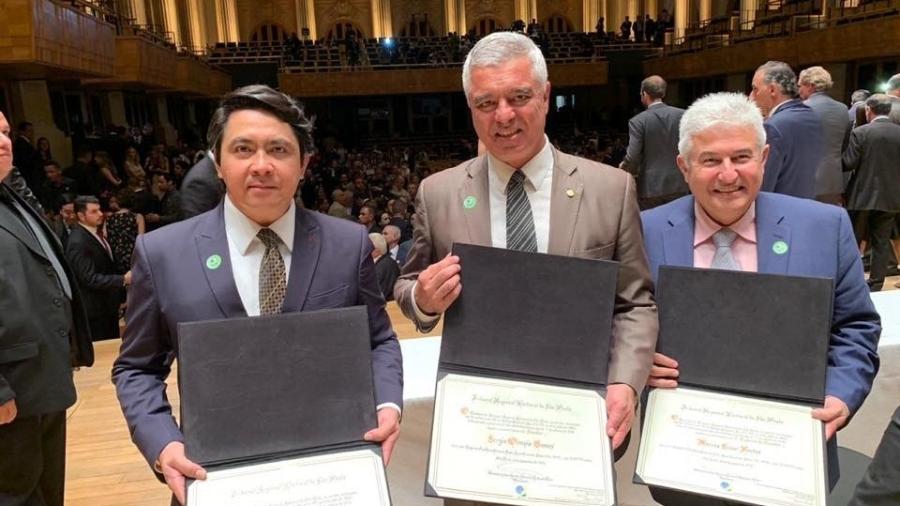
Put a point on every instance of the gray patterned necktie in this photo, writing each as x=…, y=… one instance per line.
x=724, y=259
x=520, y=234
x=272, y=279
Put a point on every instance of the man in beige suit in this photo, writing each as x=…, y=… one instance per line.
x=574, y=207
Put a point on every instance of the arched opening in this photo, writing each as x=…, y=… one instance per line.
x=486, y=26
x=418, y=26
x=557, y=24
x=269, y=32
x=342, y=30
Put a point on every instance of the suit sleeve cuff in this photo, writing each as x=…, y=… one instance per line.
x=389, y=405
x=424, y=318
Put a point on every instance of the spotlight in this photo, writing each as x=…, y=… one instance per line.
x=388, y=42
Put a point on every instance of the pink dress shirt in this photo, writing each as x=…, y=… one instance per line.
x=743, y=248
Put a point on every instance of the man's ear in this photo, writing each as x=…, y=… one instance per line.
x=682, y=166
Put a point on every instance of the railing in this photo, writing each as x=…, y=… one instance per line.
x=783, y=19
x=104, y=10
x=326, y=67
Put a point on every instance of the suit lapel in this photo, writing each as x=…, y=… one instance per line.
x=14, y=224
x=304, y=259
x=212, y=246
x=678, y=240
x=773, y=238
x=475, y=202
x=565, y=200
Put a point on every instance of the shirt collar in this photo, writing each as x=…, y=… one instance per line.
x=658, y=102
x=242, y=230
x=772, y=112
x=535, y=170
x=92, y=230
x=879, y=117
x=705, y=227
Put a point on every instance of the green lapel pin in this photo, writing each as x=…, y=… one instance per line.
x=470, y=202
x=780, y=247
x=213, y=262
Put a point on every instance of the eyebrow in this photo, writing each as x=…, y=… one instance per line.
x=275, y=141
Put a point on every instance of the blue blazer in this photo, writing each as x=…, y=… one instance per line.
x=820, y=243
x=796, y=147
x=331, y=267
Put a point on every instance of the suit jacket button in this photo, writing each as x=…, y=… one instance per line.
x=63, y=332
x=57, y=302
x=50, y=271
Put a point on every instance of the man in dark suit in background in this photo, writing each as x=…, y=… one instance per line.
x=653, y=146
x=793, y=132
x=201, y=189
x=386, y=269
x=92, y=261
x=256, y=253
x=43, y=333
x=873, y=154
x=814, y=83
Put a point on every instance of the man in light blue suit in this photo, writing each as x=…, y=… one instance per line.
x=722, y=156
x=256, y=253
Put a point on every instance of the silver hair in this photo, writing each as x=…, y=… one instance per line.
x=818, y=77
x=781, y=74
x=893, y=83
x=879, y=104
x=378, y=242
x=499, y=48
x=860, y=96
x=717, y=110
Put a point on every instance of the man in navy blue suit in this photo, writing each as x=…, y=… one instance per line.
x=722, y=156
x=256, y=253
x=793, y=132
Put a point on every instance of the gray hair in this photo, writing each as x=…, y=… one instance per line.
x=499, y=48
x=781, y=74
x=893, y=83
x=718, y=110
x=654, y=87
x=859, y=96
x=378, y=242
x=818, y=77
x=879, y=104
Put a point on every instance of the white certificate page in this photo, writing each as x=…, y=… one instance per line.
x=513, y=442
x=352, y=478
x=735, y=447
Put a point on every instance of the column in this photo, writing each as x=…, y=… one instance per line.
x=197, y=20
x=165, y=129
x=115, y=104
x=455, y=13
x=651, y=7
x=591, y=10
x=705, y=10
x=381, y=18
x=681, y=17
x=32, y=100
x=631, y=9
x=748, y=13
x=172, y=22
x=306, y=17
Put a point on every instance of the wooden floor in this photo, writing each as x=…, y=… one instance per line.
x=103, y=466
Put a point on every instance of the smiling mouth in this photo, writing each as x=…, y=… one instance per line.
x=507, y=135
x=734, y=189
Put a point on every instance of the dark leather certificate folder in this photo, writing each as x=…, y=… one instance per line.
x=272, y=387
x=531, y=315
x=738, y=332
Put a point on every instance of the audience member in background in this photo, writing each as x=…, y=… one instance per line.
x=392, y=236
x=55, y=185
x=341, y=204
x=201, y=190
x=134, y=172
x=43, y=149
x=872, y=155
x=64, y=219
x=814, y=82
x=109, y=181
x=168, y=202
x=386, y=269
x=793, y=132
x=367, y=215
x=91, y=258
x=653, y=146
x=82, y=169
x=123, y=226
x=857, y=102
x=27, y=159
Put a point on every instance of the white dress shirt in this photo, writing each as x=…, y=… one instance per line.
x=246, y=250
x=538, y=188
x=538, y=184
x=93, y=231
